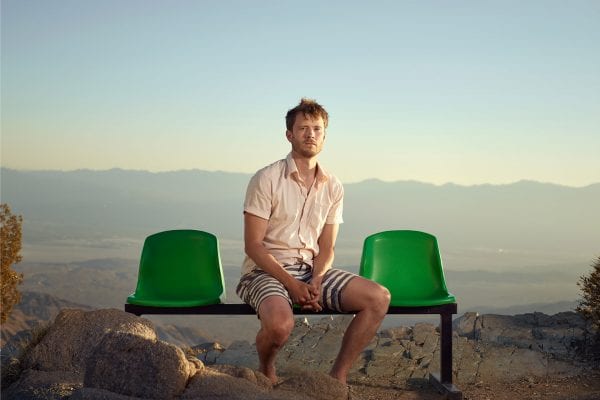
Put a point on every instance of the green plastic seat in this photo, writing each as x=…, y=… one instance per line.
x=179, y=268
x=408, y=264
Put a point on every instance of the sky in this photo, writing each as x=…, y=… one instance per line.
x=468, y=92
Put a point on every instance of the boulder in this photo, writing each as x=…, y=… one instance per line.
x=132, y=365
x=74, y=335
x=211, y=383
x=465, y=325
x=562, y=335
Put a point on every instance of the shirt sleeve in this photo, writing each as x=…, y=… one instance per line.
x=335, y=212
x=258, y=196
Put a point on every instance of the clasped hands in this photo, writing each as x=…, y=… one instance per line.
x=307, y=295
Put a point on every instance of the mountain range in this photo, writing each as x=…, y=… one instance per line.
x=525, y=216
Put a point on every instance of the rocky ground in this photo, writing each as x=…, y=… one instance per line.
x=574, y=388
x=111, y=355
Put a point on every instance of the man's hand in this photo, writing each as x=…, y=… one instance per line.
x=315, y=283
x=305, y=295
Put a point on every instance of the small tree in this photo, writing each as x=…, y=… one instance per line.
x=589, y=305
x=10, y=244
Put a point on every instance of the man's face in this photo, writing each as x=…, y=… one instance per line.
x=307, y=135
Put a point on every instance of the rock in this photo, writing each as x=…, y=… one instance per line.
x=466, y=360
x=465, y=325
x=562, y=335
x=206, y=352
x=505, y=330
x=313, y=385
x=430, y=342
x=75, y=334
x=248, y=374
x=386, y=360
x=10, y=369
x=240, y=353
x=401, y=332
x=99, y=394
x=33, y=385
x=213, y=384
x=132, y=365
x=108, y=354
x=422, y=331
x=195, y=365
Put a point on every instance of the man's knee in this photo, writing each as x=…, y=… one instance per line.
x=278, y=334
x=277, y=320
x=379, y=299
x=384, y=297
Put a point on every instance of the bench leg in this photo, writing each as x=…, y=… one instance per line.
x=444, y=385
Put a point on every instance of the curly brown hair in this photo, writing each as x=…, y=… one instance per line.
x=310, y=108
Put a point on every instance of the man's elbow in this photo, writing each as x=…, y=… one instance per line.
x=327, y=251
x=250, y=248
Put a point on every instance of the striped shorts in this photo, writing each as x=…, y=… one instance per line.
x=257, y=285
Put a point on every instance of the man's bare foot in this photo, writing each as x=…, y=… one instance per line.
x=341, y=378
x=269, y=372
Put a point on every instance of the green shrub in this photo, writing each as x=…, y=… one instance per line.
x=10, y=244
x=589, y=305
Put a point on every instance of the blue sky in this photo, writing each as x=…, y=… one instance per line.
x=467, y=91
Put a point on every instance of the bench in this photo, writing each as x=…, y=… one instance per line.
x=181, y=273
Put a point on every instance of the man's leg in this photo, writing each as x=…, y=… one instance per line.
x=277, y=322
x=370, y=302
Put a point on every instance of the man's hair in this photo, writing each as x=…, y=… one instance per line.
x=310, y=108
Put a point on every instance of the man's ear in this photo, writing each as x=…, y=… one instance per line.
x=288, y=135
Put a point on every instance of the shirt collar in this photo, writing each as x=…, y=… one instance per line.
x=292, y=170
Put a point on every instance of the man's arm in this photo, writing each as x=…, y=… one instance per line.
x=255, y=229
x=323, y=261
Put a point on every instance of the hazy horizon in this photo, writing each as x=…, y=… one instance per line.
x=517, y=181
x=111, y=212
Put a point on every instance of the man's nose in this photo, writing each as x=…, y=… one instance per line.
x=310, y=132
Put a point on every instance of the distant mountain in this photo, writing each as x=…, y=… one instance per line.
x=123, y=203
x=550, y=308
x=120, y=203
x=523, y=215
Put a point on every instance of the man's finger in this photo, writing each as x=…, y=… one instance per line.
x=312, y=305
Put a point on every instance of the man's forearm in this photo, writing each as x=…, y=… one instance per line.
x=265, y=261
x=323, y=261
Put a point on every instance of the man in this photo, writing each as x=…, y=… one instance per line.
x=292, y=211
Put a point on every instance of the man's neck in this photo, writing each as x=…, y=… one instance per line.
x=307, y=167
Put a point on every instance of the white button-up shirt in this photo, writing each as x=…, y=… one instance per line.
x=296, y=215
